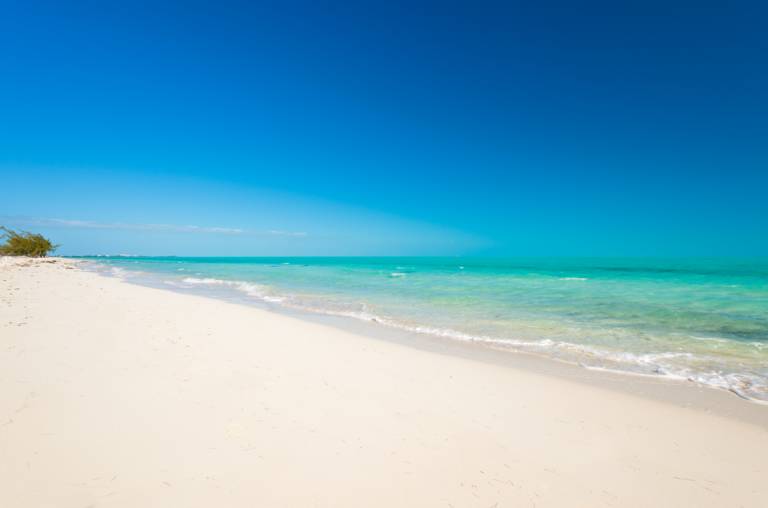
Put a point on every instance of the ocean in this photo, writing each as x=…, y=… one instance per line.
x=704, y=320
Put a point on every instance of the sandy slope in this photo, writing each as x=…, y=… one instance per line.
x=113, y=394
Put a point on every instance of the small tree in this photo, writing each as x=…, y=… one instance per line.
x=25, y=244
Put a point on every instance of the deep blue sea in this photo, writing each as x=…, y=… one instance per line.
x=705, y=320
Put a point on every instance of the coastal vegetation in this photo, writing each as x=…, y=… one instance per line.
x=23, y=243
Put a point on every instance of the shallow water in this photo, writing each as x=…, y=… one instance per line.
x=700, y=319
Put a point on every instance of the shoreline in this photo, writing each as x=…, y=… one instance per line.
x=117, y=394
x=679, y=392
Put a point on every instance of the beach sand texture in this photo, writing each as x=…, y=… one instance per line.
x=118, y=395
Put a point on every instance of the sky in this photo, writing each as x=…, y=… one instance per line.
x=387, y=128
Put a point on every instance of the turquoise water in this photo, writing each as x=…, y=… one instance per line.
x=705, y=320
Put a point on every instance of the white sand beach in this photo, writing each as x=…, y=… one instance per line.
x=118, y=395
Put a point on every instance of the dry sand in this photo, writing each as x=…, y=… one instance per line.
x=113, y=394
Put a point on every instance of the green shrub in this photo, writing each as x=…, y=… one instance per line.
x=25, y=244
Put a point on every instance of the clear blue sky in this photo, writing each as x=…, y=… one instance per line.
x=509, y=128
